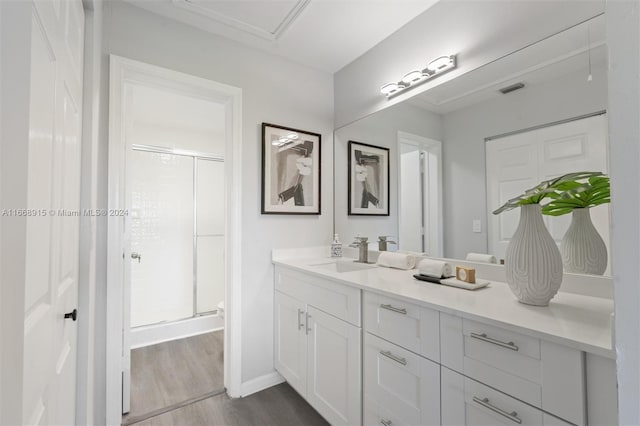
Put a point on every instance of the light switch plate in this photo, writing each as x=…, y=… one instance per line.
x=477, y=226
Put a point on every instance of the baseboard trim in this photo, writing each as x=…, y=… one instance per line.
x=260, y=383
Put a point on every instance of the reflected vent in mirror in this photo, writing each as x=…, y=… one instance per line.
x=511, y=88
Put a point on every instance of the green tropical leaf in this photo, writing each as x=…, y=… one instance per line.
x=566, y=192
x=585, y=191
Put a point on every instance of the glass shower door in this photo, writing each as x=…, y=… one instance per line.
x=162, y=229
x=209, y=235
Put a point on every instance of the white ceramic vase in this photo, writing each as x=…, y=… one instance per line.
x=533, y=262
x=583, y=249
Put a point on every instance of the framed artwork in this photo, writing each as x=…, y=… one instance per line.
x=290, y=170
x=368, y=180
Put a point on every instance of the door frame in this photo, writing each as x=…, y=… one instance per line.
x=123, y=70
x=433, y=216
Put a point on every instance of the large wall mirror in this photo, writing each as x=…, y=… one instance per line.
x=460, y=149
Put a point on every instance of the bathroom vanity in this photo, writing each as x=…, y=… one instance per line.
x=371, y=345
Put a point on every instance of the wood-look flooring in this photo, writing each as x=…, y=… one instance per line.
x=172, y=372
x=278, y=406
x=181, y=383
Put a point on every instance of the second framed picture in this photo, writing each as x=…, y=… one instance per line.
x=368, y=185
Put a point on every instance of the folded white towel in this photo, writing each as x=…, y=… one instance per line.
x=396, y=260
x=412, y=253
x=481, y=257
x=435, y=268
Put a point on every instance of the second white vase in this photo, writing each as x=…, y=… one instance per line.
x=583, y=249
x=532, y=261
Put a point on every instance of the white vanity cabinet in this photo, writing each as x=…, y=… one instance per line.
x=401, y=372
x=375, y=348
x=318, y=343
x=539, y=373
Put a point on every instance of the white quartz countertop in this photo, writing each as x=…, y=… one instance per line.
x=579, y=321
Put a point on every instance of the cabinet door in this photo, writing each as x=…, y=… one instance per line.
x=400, y=387
x=291, y=341
x=334, y=368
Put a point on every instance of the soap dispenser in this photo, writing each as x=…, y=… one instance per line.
x=336, y=247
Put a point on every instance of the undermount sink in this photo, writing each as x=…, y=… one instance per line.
x=343, y=266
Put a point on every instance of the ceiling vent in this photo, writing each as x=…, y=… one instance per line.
x=511, y=88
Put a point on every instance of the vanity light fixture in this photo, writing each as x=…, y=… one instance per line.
x=391, y=88
x=441, y=63
x=411, y=79
x=283, y=140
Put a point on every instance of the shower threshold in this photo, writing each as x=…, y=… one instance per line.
x=165, y=331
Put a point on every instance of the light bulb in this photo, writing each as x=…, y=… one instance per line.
x=389, y=88
x=439, y=63
x=412, y=77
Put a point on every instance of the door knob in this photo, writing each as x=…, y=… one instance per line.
x=135, y=255
x=73, y=315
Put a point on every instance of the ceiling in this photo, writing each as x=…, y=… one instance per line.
x=322, y=34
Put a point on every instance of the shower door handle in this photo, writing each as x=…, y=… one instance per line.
x=135, y=255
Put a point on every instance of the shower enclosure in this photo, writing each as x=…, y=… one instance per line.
x=177, y=243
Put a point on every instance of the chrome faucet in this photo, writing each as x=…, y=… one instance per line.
x=362, y=243
x=382, y=242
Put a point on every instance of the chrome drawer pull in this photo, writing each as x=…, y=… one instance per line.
x=384, y=422
x=392, y=308
x=300, y=323
x=485, y=338
x=397, y=359
x=513, y=416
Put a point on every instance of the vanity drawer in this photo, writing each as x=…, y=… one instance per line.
x=339, y=300
x=541, y=373
x=468, y=402
x=411, y=326
x=400, y=386
x=513, y=353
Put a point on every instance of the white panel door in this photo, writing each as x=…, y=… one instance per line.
x=518, y=162
x=291, y=341
x=512, y=168
x=333, y=368
x=53, y=188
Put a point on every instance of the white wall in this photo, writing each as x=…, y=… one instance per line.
x=274, y=90
x=380, y=129
x=623, y=38
x=477, y=31
x=464, y=147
